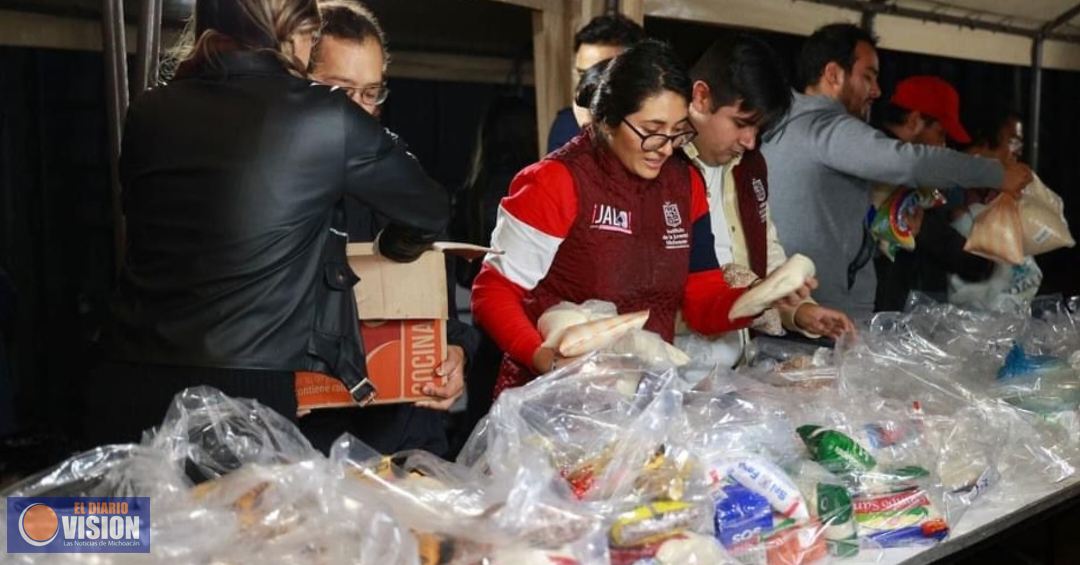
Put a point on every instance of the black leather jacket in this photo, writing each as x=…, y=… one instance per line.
x=232, y=179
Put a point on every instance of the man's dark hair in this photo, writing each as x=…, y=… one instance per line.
x=617, y=30
x=984, y=124
x=745, y=69
x=646, y=69
x=351, y=21
x=834, y=43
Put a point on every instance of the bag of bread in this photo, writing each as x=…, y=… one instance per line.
x=998, y=233
x=1043, y=214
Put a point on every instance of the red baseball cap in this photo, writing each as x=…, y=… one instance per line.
x=933, y=97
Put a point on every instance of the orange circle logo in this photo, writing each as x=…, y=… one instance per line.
x=38, y=524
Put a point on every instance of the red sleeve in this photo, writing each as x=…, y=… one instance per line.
x=532, y=222
x=707, y=298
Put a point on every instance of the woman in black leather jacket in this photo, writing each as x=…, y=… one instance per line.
x=233, y=175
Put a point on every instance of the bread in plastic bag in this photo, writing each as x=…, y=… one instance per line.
x=785, y=280
x=1043, y=214
x=577, y=329
x=998, y=232
x=738, y=276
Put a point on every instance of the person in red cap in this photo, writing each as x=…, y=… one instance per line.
x=932, y=111
x=925, y=110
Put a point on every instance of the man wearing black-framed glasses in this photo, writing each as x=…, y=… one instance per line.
x=351, y=55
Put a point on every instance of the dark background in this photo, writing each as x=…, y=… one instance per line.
x=55, y=212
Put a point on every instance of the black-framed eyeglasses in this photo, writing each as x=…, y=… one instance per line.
x=373, y=95
x=656, y=141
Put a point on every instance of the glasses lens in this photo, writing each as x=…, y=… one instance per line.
x=654, y=142
x=683, y=139
x=376, y=95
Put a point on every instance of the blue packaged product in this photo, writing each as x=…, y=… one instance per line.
x=743, y=517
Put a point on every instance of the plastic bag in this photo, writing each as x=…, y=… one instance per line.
x=1043, y=214
x=269, y=497
x=889, y=222
x=212, y=434
x=578, y=329
x=998, y=232
x=460, y=516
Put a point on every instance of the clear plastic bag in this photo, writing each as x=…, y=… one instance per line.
x=1043, y=214
x=212, y=434
x=998, y=232
x=612, y=427
x=269, y=498
x=463, y=517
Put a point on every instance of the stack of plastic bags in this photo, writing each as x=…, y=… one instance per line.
x=265, y=495
x=807, y=456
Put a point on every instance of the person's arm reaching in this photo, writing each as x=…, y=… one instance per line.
x=532, y=223
x=381, y=173
x=707, y=298
x=853, y=147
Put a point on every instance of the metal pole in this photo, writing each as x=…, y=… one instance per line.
x=1035, y=117
x=149, y=47
x=114, y=50
x=868, y=21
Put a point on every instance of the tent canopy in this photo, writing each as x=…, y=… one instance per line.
x=950, y=28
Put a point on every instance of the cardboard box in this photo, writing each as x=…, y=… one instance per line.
x=403, y=311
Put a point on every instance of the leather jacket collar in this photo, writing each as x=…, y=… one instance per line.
x=243, y=63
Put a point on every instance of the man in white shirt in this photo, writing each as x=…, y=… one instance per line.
x=739, y=89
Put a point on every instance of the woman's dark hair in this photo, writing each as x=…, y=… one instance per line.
x=617, y=30
x=590, y=79
x=245, y=25
x=834, y=43
x=646, y=69
x=745, y=69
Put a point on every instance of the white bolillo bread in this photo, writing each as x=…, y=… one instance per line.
x=791, y=276
x=590, y=336
x=554, y=323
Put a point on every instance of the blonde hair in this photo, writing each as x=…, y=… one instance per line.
x=219, y=26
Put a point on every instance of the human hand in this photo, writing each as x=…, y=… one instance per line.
x=816, y=319
x=453, y=372
x=799, y=296
x=1017, y=176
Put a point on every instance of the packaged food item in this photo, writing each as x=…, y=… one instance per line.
x=788, y=278
x=797, y=545
x=654, y=522
x=998, y=232
x=889, y=222
x=835, y=451
x=1043, y=214
x=769, y=481
x=835, y=510
x=743, y=520
x=899, y=519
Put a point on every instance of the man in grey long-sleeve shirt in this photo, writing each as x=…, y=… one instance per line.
x=824, y=159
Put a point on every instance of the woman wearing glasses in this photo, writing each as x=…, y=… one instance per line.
x=612, y=215
x=232, y=175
